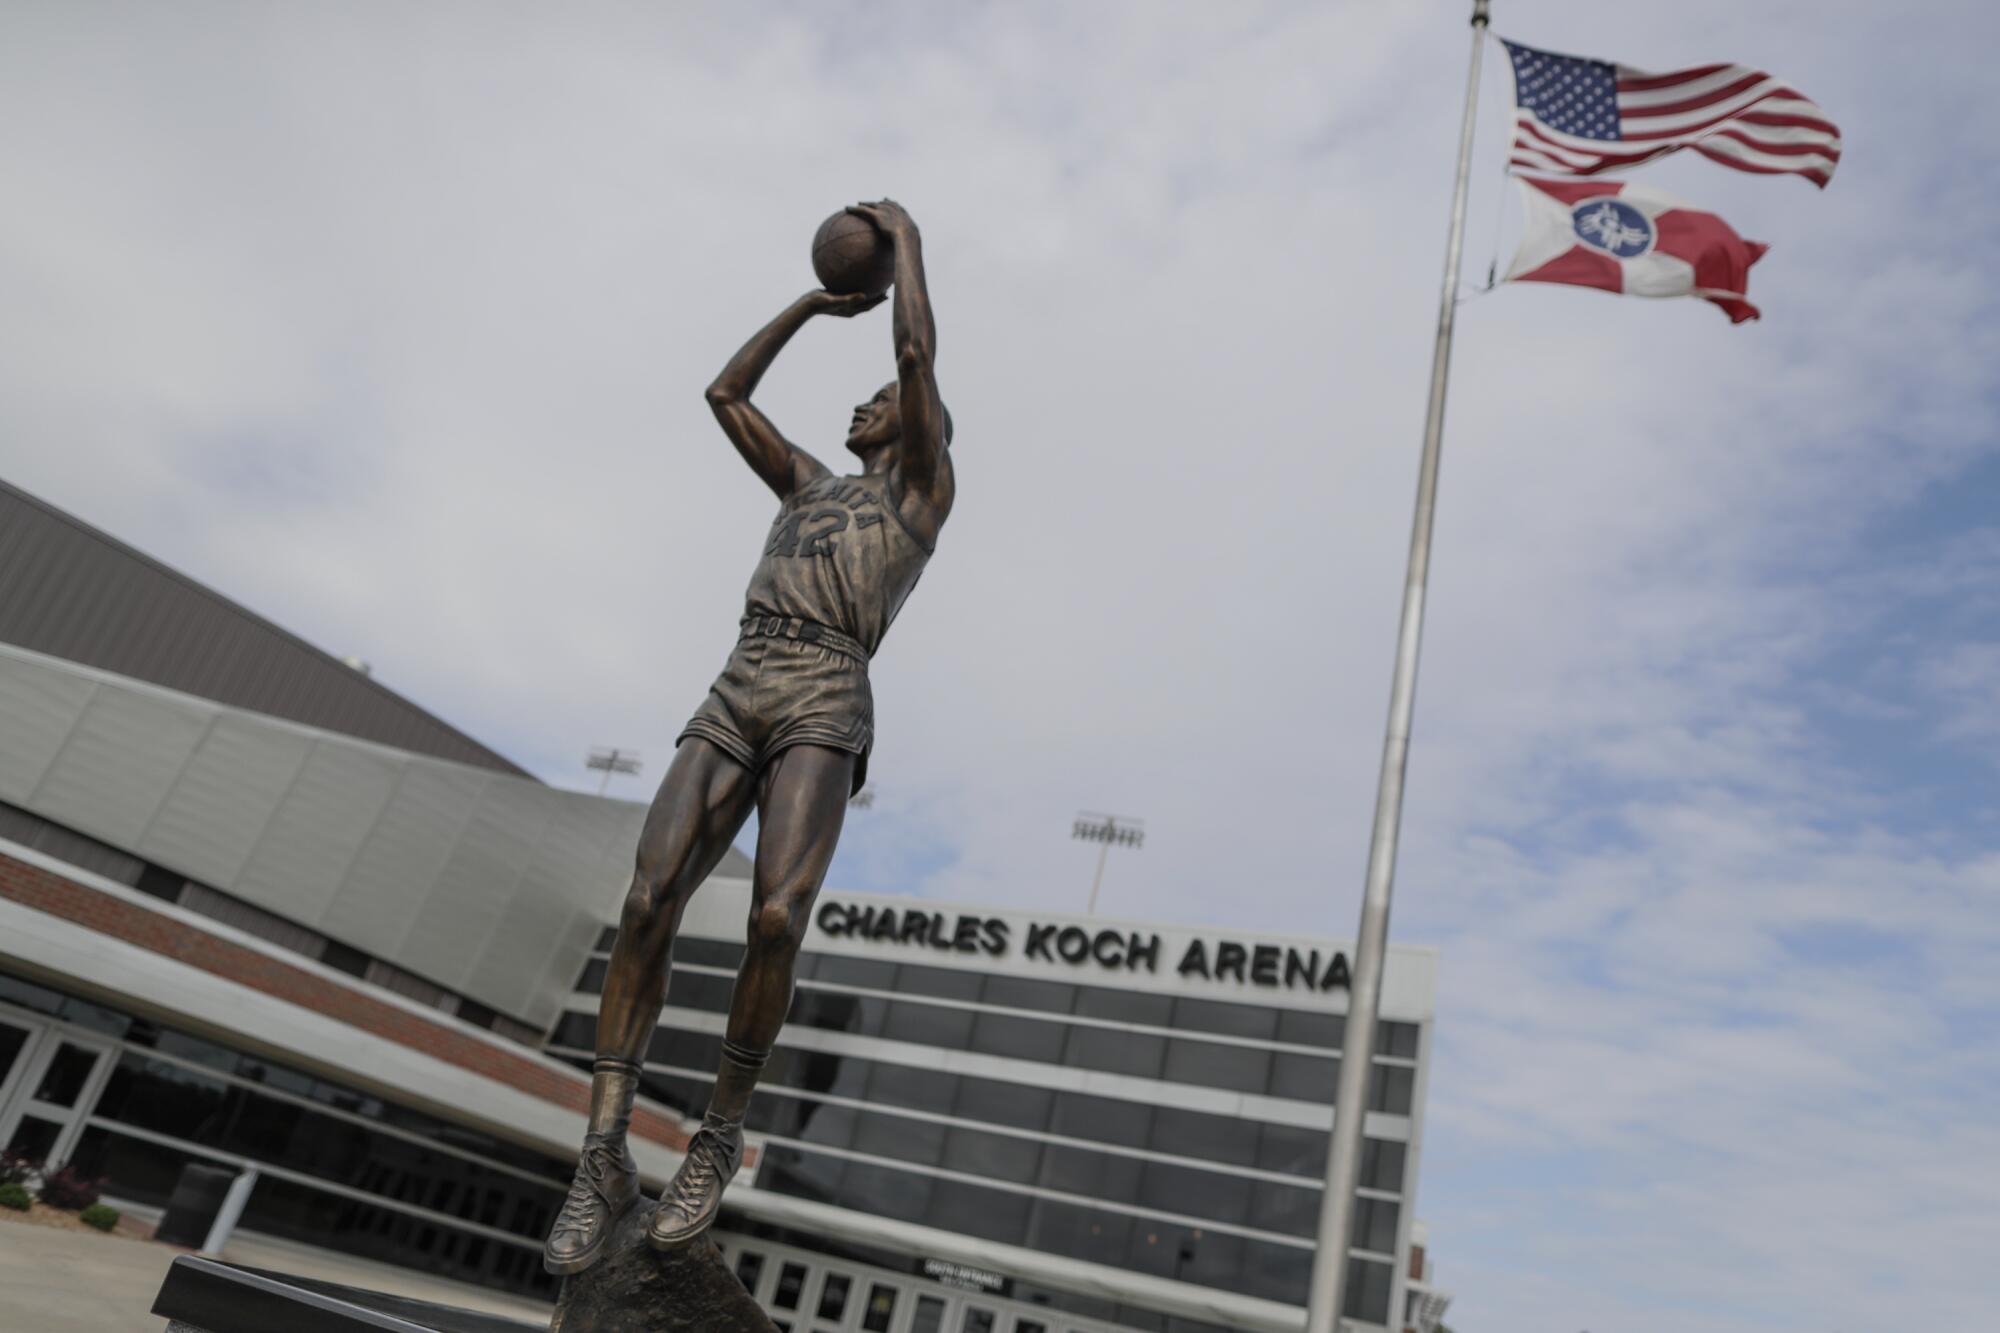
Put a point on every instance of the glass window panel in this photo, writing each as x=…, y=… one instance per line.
x=1000, y=1103
x=979, y=1152
x=972, y=1210
x=885, y=1191
x=1030, y=1326
x=1374, y=1225
x=881, y=1309
x=949, y=982
x=907, y=1140
x=1094, y=1175
x=1018, y=1038
x=818, y=1071
x=930, y=1024
x=708, y=953
x=836, y=1011
x=977, y=1320
x=1154, y=1248
x=786, y=1170
x=95, y=1017
x=1391, y=1088
x=791, y=1278
x=1103, y=1119
x=1213, y=1259
x=833, y=1297
x=1397, y=1039
x=1211, y=1064
x=169, y=1042
x=13, y=1040
x=868, y=972
x=30, y=996
x=749, y=1267
x=904, y=1085
x=1291, y=1210
x=1368, y=1291
x=1089, y=1234
x=1295, y=1151
x=1116, y=1052
x=1125, y=1006
x=929, y=1317
x=592, y=980
x=1198, y=1134
x=62, y=1081
x=34, y=1138
x=577, y=1031
x=1182, y=1189
x=1229, y=1020
x=1382, y=1164
x=606, y=938
x=1304, y=1078
x=1277, y=1272
x=686, y=1095
x=1053, y=997
x=1305, y=1029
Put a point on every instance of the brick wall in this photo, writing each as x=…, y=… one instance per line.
x=45, y=891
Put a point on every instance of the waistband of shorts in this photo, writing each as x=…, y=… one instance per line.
x=803, y=631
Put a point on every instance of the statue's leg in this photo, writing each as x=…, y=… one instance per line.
x=701, y=804
x=800, y=809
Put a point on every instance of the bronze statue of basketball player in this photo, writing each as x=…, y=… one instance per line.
x=786, y=728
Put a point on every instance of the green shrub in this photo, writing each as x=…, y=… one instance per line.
x=14, y=1195
x=100, y=1215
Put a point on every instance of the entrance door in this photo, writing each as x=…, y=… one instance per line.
x=48, y=1079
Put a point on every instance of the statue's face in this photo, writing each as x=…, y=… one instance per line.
x=877, y=422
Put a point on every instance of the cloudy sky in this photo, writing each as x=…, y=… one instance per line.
x=392, y=321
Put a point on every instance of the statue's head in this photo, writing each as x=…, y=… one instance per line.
x=878, y=423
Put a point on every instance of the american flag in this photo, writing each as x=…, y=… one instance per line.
x=1577, y=117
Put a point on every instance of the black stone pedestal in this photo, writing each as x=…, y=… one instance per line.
x=205, y=1296
x=637, y=1289
x=632, y=1289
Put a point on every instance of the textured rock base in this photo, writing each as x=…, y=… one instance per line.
x=635, y=1288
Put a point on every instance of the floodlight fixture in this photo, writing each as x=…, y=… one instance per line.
x=609, y=760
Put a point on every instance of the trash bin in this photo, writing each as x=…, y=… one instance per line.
x=197, y=1198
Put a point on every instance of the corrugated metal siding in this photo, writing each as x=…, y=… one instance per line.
x=71, y=591
x=475, y=881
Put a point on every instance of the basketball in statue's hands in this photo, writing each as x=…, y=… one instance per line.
x=850, y=254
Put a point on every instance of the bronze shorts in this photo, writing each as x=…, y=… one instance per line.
x=776, y=692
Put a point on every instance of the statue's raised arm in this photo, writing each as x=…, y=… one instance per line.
x=922, y=470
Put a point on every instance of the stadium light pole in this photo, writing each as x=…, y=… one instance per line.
x=1106, y=830
x=609, y=760
x=1326, y=1293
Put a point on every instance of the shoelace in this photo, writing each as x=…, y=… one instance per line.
x=586, y=1193
x=704, y=1170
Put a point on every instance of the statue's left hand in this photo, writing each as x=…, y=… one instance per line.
x=890, y=216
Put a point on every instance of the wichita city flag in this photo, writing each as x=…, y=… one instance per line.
x=1577, y=117
x=1632, y=239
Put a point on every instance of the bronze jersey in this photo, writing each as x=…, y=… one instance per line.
x=839, y=555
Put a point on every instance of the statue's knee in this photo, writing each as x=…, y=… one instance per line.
x=646, y=902
x=777, y=924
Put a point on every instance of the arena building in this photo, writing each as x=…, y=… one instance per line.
x=257, y=910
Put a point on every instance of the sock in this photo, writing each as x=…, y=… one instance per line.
x=735, y=1080
x=613, y=1083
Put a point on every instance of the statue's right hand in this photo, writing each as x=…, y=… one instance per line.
x=845, y=306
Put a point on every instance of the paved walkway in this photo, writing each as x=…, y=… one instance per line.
x=70, y=1282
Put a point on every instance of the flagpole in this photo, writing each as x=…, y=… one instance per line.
x=1327, y=1292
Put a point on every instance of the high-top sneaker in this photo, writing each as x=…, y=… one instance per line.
x=605, y=1187
x=690, y=1204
